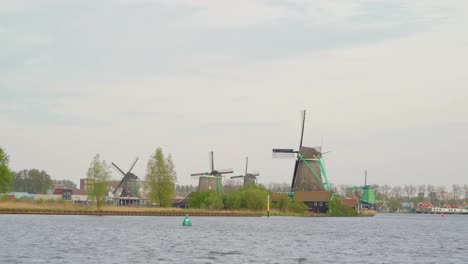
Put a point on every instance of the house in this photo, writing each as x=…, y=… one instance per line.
x=65, y=192
x=407, y=205
x=316, y=200
x=422, y=205
x=181, y=202
x=20, y=195
x=352, y=202
x=381, y=207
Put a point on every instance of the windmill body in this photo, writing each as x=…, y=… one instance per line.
x=211, y=180
x=368, y=194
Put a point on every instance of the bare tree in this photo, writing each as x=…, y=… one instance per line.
x=412, y=190
x=409, y=190
x=421, y=191
x=385, y=190
x=431, y=188
x=465, y=188
x=397, y=191
x=442, y=192
x=457, y=190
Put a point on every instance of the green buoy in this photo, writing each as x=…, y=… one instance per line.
x=187, y=221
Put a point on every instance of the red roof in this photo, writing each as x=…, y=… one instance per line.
x=424, y=205
x=349, y=202
x=312, y=196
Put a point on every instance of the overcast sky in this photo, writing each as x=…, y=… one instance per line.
x=384, y=83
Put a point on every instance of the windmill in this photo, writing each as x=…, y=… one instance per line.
x=211, y=180
x=309, y=170
x=368, y=193
x=129, y=185
x=249, y=178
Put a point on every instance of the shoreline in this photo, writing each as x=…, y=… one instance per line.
x=128, y=213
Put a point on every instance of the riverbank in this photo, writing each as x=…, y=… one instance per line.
x=68, y=208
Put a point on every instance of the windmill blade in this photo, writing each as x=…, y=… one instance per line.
x=211, y=159
x=116, y=167
x=118, y=186
x=133, y=165
x=239, y=176
x=284, y=153
x=255, y=174
x=246, y=164
x=199, y=174
x=303, y=115
x=295, y=171
x=225, y=171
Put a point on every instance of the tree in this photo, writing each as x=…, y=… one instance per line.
x=457, y=190
x=38, y=182
x=160, y=179
x=6, y=176
x=409, y=190
x=396, y=191
x=20, y=181
x=465, y=189
x=442, y=192
x=97, y=181
x=32, y=181
x=421, y=191
x=394, y=204
x=385, y=190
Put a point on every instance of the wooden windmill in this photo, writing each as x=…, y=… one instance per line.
x=129, y=186
x=211, y=180
x=309, y=172
x=249, y=178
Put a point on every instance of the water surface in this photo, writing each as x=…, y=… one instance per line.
x=387, y=238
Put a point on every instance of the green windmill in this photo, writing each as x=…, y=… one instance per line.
x=368, y=194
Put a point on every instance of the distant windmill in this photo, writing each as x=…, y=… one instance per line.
x=249, y=178
x=211, y=180
x=309, y=171
x=129, y=183
x=368, y=193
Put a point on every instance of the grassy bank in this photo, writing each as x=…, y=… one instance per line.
x=61, y=207
x=66, y=207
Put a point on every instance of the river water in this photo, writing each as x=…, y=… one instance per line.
x=389, y=238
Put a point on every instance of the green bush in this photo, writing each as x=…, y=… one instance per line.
x=233, y=200
x=206, y=200
x=255, y=197
x=297, y=207
x=40, y=201
x=282, y=204
x=337, y=208
x=251, y=198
